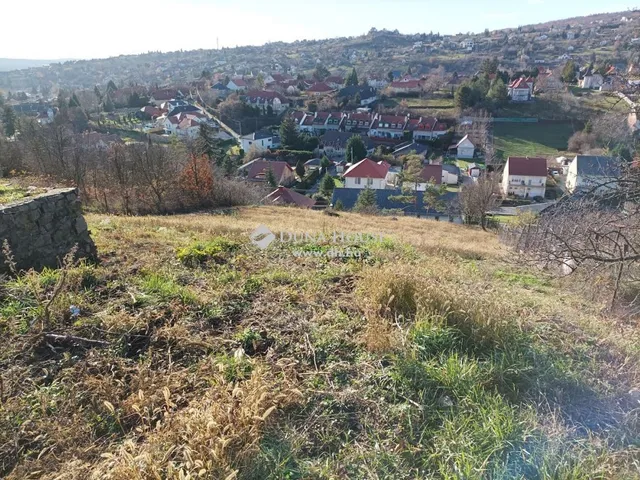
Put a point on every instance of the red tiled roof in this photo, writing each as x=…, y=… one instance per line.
x=367, y=168
x=520, y=83
x=259, y=169
x=430, y=172
x=319, y=88
x=360, y=117
x=530, y=166
x=334, y=79
x=239, y=82
x=391, y=119
x=406, y=84
x=283, y=195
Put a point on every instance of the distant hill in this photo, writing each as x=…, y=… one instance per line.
x=8, y=64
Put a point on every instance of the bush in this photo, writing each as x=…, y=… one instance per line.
x=199, y=253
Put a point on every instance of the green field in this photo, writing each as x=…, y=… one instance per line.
x=531, y=139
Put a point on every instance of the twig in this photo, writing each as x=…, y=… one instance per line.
x=56, y=338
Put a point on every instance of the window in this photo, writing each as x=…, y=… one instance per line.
x=358, y=180
x=369, y=181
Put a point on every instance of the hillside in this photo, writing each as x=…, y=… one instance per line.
x=375, y=53
x=8, y=64
x=432, y=355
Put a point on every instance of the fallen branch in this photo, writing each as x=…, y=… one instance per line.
x=55, y=338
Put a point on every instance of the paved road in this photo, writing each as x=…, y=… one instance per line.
x=535, y=207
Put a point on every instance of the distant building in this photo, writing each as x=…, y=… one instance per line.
x=591, y=171
x=525, y=177
x=286, y=196
x=367, y=174
x=261, y=141
x=465, y=148
x=257, y=171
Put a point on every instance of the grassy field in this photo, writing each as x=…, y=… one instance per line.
x=13, y=193
x=531, y=139
x=429, y=355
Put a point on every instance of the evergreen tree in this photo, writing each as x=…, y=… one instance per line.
x=108, y=104
x=352, y=79
x=390, y=76
x=464, y=97
x=321, y=72
x=339, y=206
x=111, y=87
x=327, y=185
x=569, y=72
x=9, y=121
x=356, y=149
x=498, y=93
x=300, y=171
x=366, y=202
x=98, y=94
x=271, y=179
x=73, y=101
x=289, y=134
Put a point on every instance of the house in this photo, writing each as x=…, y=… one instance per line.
x=286, y=196
x=265, y=99
x=46, y=117
x=173, y=109
x=450, y=174
x=257, y=170
x=313, y=164
x=159, y=97
x=426, y=128
x=188, y=128
x=220, y=90
x=465, y=148
x=473, y=170
x=588, y=171
x=525, y=177
x=377, y=82
x=237, y=85
x=366, y=174
x=406, y=86
x=150, y=112
x=261, y=141
x=571, y=35
x=520, y=89
x=334, y=81
x=592, y=80
x=467, y=45
x=367, y=95
x=96, y=141
x=333, y=144
x=429, y=174
x=356, y=121
x=388, y=126
x=319, y=89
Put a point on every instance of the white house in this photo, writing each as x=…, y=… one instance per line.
x=260, y=141
x=465, y=148
x=525, y=177
x=467, y=45
x=520, y=90
x=366, y=173
x=264, y=99
x=592, y=81
x=388, y=126
x=589, y=171
x=237, y=84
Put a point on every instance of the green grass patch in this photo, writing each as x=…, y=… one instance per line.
x=217, y=250
x=531, y=139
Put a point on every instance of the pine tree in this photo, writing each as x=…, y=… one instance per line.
x=271, y=178
x=327, y=185
x=569, y=72
x=289, y=134
x=339, y=206
x=10, y=121
x=300, y=171
x=111, y=87
x=73, y=101
x=498, y=93
x=356, y=149
x=352, y=79
x=366, y=202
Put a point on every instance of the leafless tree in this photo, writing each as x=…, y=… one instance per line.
x=596, y=232
x=479, y=198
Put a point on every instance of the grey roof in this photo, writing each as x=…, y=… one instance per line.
x=220, y=86
x=337, y=139
x=596, y=166
x=349, y=196
x=262, y=134
x=405, y=148
x=451, y=168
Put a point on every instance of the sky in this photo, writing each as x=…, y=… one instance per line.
x=64, y=29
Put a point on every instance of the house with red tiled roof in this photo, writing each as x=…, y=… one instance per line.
x=257, y=171
x=429, y=174
x=286, y=196
x=388, y=126
x=367, y=174
x=319, y=88
x=426, y=128
x=406, y=86
x=264, y=99
x=520, y=89
x=358, y=121
x=525, y=177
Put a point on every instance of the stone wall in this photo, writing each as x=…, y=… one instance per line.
x=41, y=230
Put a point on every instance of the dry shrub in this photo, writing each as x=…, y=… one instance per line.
x=213, y=438
x=380, y=336
x=388, y=293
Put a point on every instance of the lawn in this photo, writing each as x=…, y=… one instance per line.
x=531, y=139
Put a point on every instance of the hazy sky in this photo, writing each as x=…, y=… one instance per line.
x=46, y=29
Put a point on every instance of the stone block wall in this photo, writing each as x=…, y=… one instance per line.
x=41, y=230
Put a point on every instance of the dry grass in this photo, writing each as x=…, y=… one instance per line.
x=429, y=357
